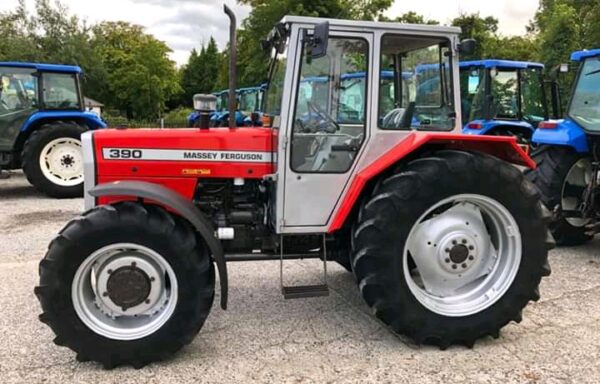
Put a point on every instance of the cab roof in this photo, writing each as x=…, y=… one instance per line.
x=495, y=63
x=372, y=25
x=582, y=55
x=43, y=67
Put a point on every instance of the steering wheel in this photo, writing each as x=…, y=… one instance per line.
x=331, y=126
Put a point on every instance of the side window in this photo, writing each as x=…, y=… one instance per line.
x=472, y=87
x=532, y=96
x=505, y=94
x=18, y=90
x=329, y=115
x=60, y=91
x=415, y=90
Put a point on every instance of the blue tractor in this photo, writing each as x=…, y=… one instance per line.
x=502, y=97
x=251, y=104
x=245, y=98
x=568, y=158
x=42, y=116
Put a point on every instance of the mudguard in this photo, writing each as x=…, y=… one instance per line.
x=179, y=204
x=566, y=133
x=92, y=120
x=502, y=147
x=487, y=126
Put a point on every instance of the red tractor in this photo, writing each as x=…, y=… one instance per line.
x=448, y=241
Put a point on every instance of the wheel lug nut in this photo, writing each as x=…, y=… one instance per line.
x=133, y=264
x=110, y=271
x=105, y=294
x=454, y=242
x=464, y=265
x=454, y=266
x=471, y=247
x=152, y=278
x=447, y=260
x=447, y=250
x=148, y=301
x=464, y=241
x=471, y=257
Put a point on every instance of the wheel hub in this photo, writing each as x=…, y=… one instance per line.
x=128, y=287
x=460, y=252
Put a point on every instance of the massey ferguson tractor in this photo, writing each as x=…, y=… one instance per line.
x=447, y=240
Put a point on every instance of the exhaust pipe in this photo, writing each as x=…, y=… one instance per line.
x=232, y=65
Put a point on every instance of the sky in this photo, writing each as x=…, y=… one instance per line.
x=185, y=24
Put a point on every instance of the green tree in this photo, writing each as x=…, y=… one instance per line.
x=483, y=30
x=411, y=17
x=141, y=78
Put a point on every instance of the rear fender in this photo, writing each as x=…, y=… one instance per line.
x=566, y=133
x=503, y=147
x=177, y=203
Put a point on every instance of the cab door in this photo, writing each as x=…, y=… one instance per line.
x=18, y=101
x=326, y=129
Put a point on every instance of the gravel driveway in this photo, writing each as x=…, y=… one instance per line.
x=262, y=338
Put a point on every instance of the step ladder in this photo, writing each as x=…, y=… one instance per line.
x=304, y=291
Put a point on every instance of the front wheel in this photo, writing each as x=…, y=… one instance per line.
x=451, y=248
x=53, y=159
x=126, y=284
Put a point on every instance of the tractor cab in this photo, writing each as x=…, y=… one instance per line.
x=42, y=115
x=250, y=104
x=502, y=97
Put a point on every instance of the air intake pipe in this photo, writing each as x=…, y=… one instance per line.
x=232, y=66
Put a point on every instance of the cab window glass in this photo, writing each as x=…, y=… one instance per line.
x=504, y=93
x=329, y=114
x=532, y=96
x=18, y=90
x=418, y=93
x=60, y=91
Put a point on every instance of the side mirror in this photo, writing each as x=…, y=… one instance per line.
x=467, y=46
x=316, y=46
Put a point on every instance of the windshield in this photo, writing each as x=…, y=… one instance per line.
x=472, y=93
x=585, y=103
x=60, y=91
x=249, y=101
x=274, y=93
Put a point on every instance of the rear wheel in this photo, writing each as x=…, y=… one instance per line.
x=451, y=248
x=561, y=177
x=53, y=159
x=128, y=284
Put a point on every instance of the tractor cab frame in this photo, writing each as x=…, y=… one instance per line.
x=503, y=97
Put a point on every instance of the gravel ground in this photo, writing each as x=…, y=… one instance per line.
x=262, y=338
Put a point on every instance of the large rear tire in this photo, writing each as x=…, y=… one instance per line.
x=126, y=284
x=53, y=159
x=451, y=248
x=555, y=167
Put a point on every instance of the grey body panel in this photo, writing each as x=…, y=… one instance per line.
x=179, y=204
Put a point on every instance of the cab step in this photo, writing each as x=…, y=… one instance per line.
x=304, y=291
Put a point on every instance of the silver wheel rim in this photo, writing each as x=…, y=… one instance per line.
x=61, y=161
x=97, y=309
x=467, y=252
x=578, y=178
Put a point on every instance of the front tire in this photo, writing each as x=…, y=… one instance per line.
x=555, y=167
x=53, y=159
x=126, y=284
x=451, y=248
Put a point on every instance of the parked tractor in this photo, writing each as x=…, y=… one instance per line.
x=447, y=240
x=567, y=158
x=42, y=117
x=503, y=97
x=247, y=99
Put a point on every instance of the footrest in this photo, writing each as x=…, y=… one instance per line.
x=304, y=291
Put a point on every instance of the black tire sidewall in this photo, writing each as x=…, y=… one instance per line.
x=31, y=158
x=191, y=268
x=490, y=178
